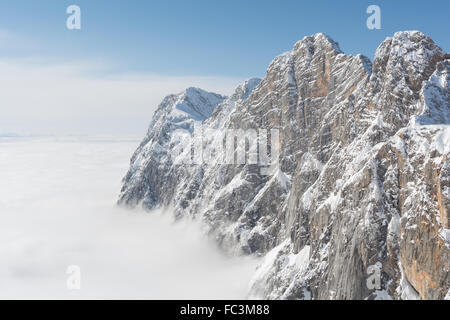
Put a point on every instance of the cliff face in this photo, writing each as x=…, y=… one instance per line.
x=362, y=178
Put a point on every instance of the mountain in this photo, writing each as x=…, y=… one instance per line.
x=361, y=184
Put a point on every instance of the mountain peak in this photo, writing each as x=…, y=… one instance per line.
x=410, y=53
x=319, y=40
x=408, y=33
x=193, y=91
x=411, y=45
x=244, y=90
x=306, y=48
x=347, y=146
x=196, y=103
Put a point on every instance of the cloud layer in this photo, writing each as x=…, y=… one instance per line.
x=57, y=209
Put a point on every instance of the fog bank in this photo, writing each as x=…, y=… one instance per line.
x=57, y=208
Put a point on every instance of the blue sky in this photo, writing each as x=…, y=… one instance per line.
x=229, y=37
x=110, y=76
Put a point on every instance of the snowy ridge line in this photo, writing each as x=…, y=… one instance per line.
x=362, y=178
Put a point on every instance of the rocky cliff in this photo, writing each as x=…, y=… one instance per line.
x=362, y=179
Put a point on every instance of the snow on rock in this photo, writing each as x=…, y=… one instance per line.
x=363, y=176
x=447, y=297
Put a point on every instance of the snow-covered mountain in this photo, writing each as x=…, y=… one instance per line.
x=362, y=179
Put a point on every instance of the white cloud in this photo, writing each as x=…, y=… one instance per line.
x=57, y=209
x=80, y=98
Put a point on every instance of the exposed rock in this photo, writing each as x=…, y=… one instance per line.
x=363, y=177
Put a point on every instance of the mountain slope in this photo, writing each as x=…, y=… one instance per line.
x=362, y=179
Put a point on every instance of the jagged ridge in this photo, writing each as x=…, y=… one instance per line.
x=363, y=176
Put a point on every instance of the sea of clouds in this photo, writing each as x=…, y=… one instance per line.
x=57, y=209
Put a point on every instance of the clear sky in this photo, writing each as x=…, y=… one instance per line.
x=198, y=41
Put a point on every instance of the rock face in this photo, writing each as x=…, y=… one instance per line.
x=361, y=188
